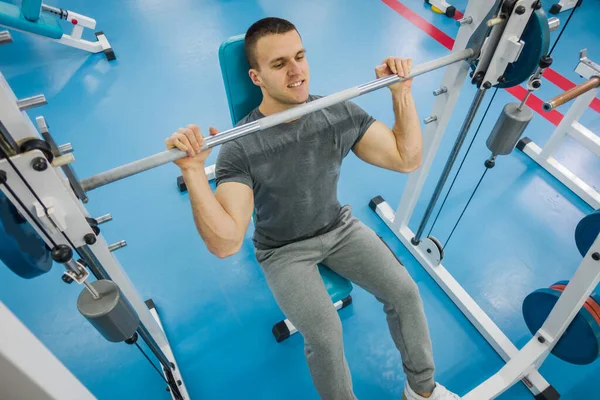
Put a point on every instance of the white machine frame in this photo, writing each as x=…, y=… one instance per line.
x=570, y=126
x=521, y=365
x=46, y=198
x=563, y=5
x=49, y=196
x=75, y=40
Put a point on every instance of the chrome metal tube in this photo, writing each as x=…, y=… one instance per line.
x=570, y=94
x=165, y=157
x=5, y=37
x=31, y=102
x=65, y=148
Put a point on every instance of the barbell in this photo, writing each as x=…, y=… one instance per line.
x=168, y=156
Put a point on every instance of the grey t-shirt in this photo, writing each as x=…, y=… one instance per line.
x=293, y=169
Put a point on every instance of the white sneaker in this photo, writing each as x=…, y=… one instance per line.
x=439, y=393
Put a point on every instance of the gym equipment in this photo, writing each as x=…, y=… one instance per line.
x=515, y=117
x=584, y=95
x=508, y=129
x=37, y=180
x=168, y=156
x=580, y=344
x=536, y=36
x=564, y=5
x=442, y=7
x=109, y=311
x=21, y=248
x=63, y=221
x=586, y=232
x=30, y=18
x=523, y=364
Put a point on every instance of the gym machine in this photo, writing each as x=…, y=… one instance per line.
x=503, y=42
x=43, y=20
x=43, y=220
x=583, y=94
x=521, y=365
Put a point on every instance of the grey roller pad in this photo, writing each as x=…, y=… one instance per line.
x=508, y=129
x=112, y=314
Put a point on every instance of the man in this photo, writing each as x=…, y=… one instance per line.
x=288, y=176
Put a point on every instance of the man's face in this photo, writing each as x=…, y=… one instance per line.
x=283, y=71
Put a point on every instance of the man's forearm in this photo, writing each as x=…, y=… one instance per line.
x=407, y=129
x=216, y=227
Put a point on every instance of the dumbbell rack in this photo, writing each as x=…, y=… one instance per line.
x=570, y=126
x=49, y=199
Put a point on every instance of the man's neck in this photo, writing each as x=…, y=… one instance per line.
x=269, y=107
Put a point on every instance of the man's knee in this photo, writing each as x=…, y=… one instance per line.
x=401, y=291
x=325, y=336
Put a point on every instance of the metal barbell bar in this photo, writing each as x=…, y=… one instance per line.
x=168, y=156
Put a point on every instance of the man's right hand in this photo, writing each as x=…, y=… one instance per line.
x=190, y=140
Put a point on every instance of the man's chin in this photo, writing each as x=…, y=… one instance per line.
x=298, y=99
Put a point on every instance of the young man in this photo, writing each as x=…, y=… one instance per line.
x=288, y=176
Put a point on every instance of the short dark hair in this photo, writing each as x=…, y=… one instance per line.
x=261, y=28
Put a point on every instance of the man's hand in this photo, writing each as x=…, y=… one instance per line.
x=396, y=66
x=190, y=140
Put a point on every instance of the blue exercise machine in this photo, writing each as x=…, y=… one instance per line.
x=243, y=96
x=40, y=19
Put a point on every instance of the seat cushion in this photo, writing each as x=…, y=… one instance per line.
x=242, y=95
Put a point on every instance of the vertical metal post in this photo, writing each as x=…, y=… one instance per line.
x=450, y=162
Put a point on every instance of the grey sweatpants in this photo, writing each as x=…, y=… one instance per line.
x=355, y=252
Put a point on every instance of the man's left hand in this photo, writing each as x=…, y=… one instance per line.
x=395, y=66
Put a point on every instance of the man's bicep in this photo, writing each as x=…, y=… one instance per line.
x=237, y=199
x=378, y=147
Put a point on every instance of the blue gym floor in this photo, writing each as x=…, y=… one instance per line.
x=516, y=236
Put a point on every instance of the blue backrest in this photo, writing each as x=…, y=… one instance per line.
x=242, y=95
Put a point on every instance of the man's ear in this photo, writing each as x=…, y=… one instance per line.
x=255, y=77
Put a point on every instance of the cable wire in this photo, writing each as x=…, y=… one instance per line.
x=465, y=208
x=462, y=162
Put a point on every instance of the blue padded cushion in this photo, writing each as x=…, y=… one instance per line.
x=243, y=96
x=46, y=25
x=31, y=9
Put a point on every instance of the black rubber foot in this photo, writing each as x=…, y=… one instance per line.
x=375, y=201
x=522, y=143
x=150, y=304
x=489, y=163
x=555, y=9
x=450, y=11
x=346, y=302
x=110, y=54
x=549, y=394
x=281, y=331
x=181, y=184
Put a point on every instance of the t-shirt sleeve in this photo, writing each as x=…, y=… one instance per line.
x=361, y=121
x=232, y=165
